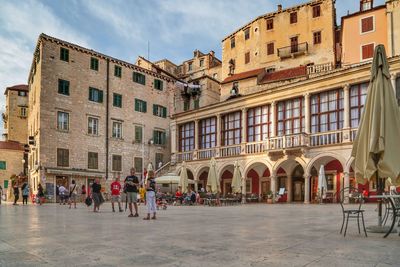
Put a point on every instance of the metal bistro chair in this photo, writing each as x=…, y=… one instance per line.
x=389, y=210
x=351, y=208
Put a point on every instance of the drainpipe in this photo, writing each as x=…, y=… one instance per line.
x=392, y=33
x=107, y=112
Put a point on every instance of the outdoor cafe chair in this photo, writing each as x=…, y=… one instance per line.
x=351, y=200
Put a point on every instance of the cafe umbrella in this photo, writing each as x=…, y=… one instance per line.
x=376, y=146
x=322, y=185
x=212, y=179
x=237, y=179
x=183, y=181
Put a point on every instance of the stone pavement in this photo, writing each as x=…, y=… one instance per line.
x=249, y=235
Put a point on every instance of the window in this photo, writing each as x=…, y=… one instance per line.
x=367, y=51
x=95, y=95
x=294, y=44
x=290, y=116
x=117, y=130
x=258, y=123
x=330, y=182
x=94, y=63
x=233, y=42
x=159, y=137
x=138, y=134
x=367, y=24
x=23, y=112
x=208, y=133
x=117, y=100
x=62, y=157
x=231, y=133
x=190, y=66
x=159, y=158
x=93, y=126
x=317, y=37
x=293, y=17
x=201, y=62
x=22, y=93
x=270, y=24
x=316, y=11
x=246, y=57
x=358, y=94
x=138, y=164
x=247, y=34
x=117, y=163
x=186, y=137
x=3, y=165
x=63, y=87
x=140, y=105
x=117, y=71
x=62, y=121
x=327, y=111
x=158, y=84
x=270, y=49
x=93, y=160
x=139, y=78
x=159, y=111
x=196, y=103
x=64, y=54
x=186, y=104
x=365, y=5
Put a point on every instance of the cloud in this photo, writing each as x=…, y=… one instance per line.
x=20, y=26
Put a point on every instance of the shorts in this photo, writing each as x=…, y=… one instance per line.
x=115, y=198
x=73, y=197
x=132, y=197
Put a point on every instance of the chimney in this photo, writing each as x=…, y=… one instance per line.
x=212, y=53
x=279, y=8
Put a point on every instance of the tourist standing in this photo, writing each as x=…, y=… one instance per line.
x=150, y=196
x=1, y=194
x=40, y=194
x=25, y=193
x=116, y=194
x=131, y=187
x=72, y=194
x=83, y=193
x=16, y=193
x=96, y=195
x=63, y=194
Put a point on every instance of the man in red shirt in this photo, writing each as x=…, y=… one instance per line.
x=116, y=194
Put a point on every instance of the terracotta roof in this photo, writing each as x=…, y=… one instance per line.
x=243, y=75
x=11, y=145
x=286, y=74
x=18, y=87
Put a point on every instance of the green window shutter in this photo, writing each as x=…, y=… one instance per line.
x=143, y=79
x=164, y=137
x=161, y=85
x=155, y=107
x=3, y=165
x=90, y=94
x=155, y=139
x=136, y=105
x=144, y=106
x=100, y=96
x=164, y=112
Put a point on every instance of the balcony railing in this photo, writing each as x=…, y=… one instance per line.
x=319, y=68
x=289, y=143
x=329, y=138
x=293, y=50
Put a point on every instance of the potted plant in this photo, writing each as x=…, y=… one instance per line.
x=269, y=197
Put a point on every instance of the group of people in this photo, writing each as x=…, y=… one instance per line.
x=25, y=193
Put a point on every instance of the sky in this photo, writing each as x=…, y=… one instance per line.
x=124, y=28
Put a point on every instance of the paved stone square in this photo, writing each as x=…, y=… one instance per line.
x=247, y=235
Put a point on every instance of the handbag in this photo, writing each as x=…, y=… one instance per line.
x=88, y=201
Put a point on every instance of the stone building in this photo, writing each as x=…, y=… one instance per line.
x=282, y=124
x=94, y=116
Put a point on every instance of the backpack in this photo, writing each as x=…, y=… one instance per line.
x=88, y=201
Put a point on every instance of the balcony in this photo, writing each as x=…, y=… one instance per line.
x=274, y=146
x=314, y=70
x=293, y=50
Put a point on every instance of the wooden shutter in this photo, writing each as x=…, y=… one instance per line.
x=100, y=96
x=144, y=106
x=136, y=105
x=367, y=51
x=155, y=139
x=163, y=138
x=367, y=24
x=247, y=57
x=155, y=108
x=164, y=112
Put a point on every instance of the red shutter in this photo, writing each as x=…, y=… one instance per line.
x=367, y=24
x=367, y=51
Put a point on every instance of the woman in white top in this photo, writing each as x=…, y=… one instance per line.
x=72, y=193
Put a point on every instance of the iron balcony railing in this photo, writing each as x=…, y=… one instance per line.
x=293, y=50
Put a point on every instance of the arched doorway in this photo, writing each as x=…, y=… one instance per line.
x=298, y=184
x=258, y=181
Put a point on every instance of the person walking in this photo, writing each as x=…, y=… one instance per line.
x=40, y=194
x=116, y=194
x=16, y=193
x=131, y=187
x=25, y=193
x=72, y=194
x=96, y=195
x=150, y=196
x=1, y=194
x=63, y=194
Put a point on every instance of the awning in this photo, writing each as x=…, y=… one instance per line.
x=74, y=172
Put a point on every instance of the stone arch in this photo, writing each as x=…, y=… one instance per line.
x=321, y=156
x=255, y=162
x=191, y=172
x=281, y=162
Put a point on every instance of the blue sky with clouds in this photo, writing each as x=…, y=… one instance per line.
x=123, y=28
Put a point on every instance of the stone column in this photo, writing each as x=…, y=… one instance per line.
x=346, y=184
x=218, y=131
x=273, y=187
x=173, y=141
x=244, y=125
x=307, y=179
x=196, y=188
x=307, y=116
x=346, y=104
x=273, y=119
x=243, y=190
x=196, y=135
x=393, y=80
x=289, y=187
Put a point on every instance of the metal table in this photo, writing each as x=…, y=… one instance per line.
x=392, y=204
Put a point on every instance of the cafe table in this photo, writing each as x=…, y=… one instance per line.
x=393, y=200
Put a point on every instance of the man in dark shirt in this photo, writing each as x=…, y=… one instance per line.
x=131, y=187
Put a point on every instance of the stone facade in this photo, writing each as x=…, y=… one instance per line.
x=86, y=68
x=11, y=164
x=393, y=22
